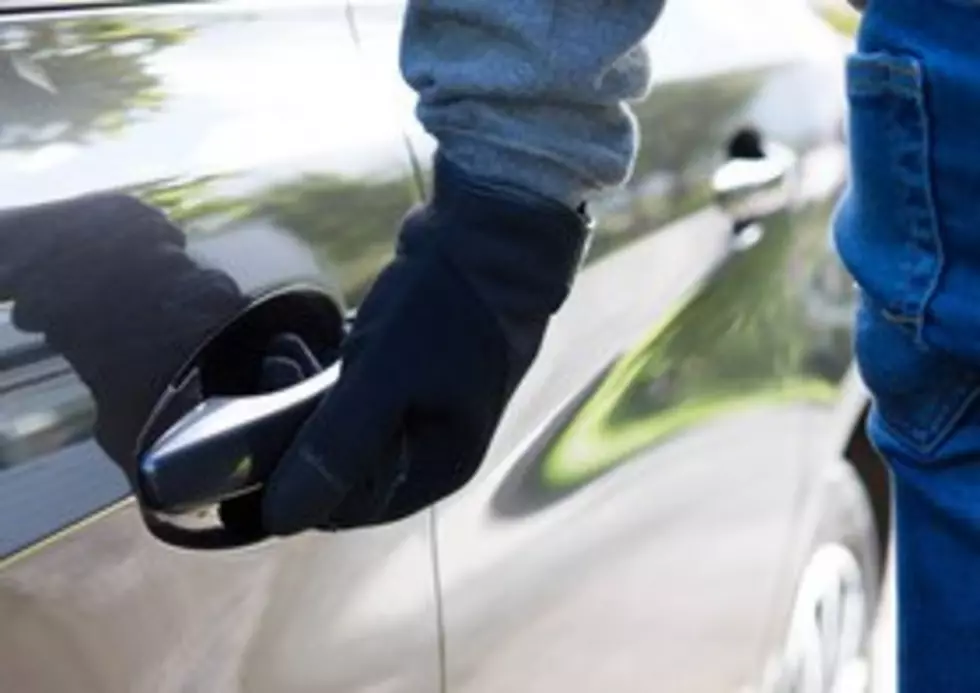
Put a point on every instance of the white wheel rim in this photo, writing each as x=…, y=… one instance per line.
x=824, y=648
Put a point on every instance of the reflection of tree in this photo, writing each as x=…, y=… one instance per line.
x=70, y=79
x=740, y=333
x=350, y=224
x=743, y=336
x=749, y=327
x=66, y=80
x=194, y=203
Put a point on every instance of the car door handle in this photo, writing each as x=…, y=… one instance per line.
x=226, y=446
x=750, y=188
x=217, y=431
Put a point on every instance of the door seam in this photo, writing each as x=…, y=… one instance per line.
x=438, y=594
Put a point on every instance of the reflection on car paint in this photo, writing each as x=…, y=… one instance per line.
x=637, y=538
x=104, y=103
x=746, y=336
x=254, y=132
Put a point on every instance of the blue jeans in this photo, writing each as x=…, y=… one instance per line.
x=908, y=229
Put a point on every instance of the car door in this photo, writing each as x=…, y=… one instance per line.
x=628, y=529
x=252, y=128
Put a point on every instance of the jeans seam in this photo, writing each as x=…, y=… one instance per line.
x=925, y=441
x=924, y=244
x=946, y=412
x=903, y=321
x=863, y=87
x=882, y=73
x=933, y=216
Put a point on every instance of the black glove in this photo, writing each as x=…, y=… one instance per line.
x=107, y=281
x=288, y=361
x=438, y=347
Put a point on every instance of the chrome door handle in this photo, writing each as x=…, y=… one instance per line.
x=748, y=189
x=226, y=446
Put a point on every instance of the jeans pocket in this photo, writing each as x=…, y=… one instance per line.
x=886, y=228
x=920, y=395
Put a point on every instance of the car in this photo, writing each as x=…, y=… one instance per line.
x=681, y=496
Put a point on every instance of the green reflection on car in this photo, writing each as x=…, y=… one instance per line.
x=743, y=338
x=594, y=443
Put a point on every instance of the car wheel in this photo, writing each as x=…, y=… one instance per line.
x=829, y=635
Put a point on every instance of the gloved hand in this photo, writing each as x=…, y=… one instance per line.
x=288, y=361
x=107, y=280
x=438, y=347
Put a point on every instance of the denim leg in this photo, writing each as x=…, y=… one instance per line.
x=926, y=423
x=908, y=230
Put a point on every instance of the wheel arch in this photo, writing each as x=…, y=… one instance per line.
x=861, y=455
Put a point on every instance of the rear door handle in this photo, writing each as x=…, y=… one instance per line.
x=749, y=189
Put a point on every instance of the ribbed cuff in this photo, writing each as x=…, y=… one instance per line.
x=522, y=249
x=517, y=169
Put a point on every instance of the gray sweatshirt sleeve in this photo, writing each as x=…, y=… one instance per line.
x=531, y=93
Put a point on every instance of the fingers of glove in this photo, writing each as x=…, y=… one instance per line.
x=354, y=431
x=291, y=347
x=279, y=372
x=367, y=502
x=456, y=375
x=348, y=435
x=289, y=362
x=444, y=451
x=242, y=515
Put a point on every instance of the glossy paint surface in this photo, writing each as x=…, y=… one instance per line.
x=253, y=131
x=643, y=513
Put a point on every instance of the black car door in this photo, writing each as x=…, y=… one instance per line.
x=253, y=128
x=630, y=527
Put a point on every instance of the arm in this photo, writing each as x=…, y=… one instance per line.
x=528, y=102
x=532, y=93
